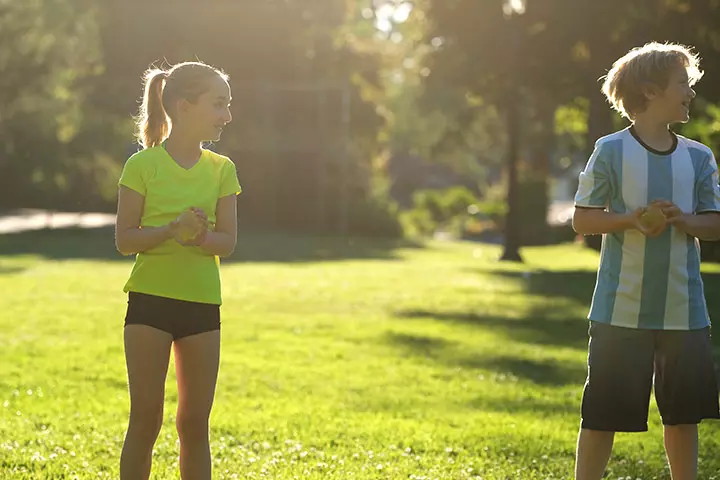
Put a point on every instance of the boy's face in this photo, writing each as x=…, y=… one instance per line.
x=673, y=103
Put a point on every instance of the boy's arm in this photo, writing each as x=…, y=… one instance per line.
x=704, y=223
x=591, y=216
x=705, y=226
x=596, y=221
x=593, y=196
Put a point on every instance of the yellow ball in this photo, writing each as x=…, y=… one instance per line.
x=189, y=225
x=652, y=218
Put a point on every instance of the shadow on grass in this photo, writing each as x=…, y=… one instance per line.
x=534, y=329
x=506, y=367
x=578, y=285
x=9, y=270
x=99, y=244
x=531, y=404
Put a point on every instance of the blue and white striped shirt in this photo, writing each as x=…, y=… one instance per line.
x=649, y=283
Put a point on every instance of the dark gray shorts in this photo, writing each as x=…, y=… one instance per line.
x=179, y=318
x=622, y=363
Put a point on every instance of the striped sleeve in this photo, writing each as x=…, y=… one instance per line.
x=594, y=182
x=708, y=188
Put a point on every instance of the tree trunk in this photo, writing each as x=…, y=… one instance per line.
x=511, y=245
x=534, y=175
x=600, y=118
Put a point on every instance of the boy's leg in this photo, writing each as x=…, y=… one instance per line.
x=681, y=446
x=593, y=453
x=687, y=392
x=616, y=395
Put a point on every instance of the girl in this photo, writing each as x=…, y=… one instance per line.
x=177, y=212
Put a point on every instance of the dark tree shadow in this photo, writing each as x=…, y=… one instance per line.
x=5, y=270
x=62, y=244
x=422, y=345
x=529, y=404
x=509, y=367
x=540, y=372
x=578, y=285
x=575, y=285
x=252, y=246
x=534, y=329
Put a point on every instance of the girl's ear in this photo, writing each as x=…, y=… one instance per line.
x=178, y=107
x=183, y=105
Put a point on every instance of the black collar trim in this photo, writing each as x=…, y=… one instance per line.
x=647, y=147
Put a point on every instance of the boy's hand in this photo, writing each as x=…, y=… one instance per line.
x=648, y=222
x=674, y=215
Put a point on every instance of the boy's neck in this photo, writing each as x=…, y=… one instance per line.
x=654, y=134
x=185, y=152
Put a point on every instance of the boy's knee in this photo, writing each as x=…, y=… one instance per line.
x=687, y=428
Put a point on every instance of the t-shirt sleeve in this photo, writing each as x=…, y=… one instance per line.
x=708, y=188
x=229, y=183
x=594, y=182
x=133, y=176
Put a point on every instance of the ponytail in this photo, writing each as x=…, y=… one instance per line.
x=152, y=123
x=186, y=80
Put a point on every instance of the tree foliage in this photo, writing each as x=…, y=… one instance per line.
x=49, y=58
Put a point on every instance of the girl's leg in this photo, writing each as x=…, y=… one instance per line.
x=147, y=353
x=197, y=358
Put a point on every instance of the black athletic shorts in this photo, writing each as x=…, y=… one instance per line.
x=622, y=363
x=179, y=318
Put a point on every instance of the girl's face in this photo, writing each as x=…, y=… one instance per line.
x=207, y=117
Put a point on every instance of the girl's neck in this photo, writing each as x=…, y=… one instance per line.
x=185, y=152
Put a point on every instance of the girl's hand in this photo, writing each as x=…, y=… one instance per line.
x=190, y=228
x=201, y=225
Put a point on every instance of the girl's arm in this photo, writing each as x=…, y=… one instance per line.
x=221, y=242
x=130, y=238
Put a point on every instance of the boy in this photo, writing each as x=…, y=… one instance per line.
x=652, y=194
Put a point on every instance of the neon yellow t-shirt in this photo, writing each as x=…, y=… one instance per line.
x=171, y=270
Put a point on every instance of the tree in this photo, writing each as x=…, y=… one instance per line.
x=551, y=54
x=302, y=128
x=491, y=73
x=48, y=52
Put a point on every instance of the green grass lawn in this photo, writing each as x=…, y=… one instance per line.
x=340, y=360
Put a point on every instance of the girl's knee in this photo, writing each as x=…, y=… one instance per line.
x=146, y=421
x=192, y=427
